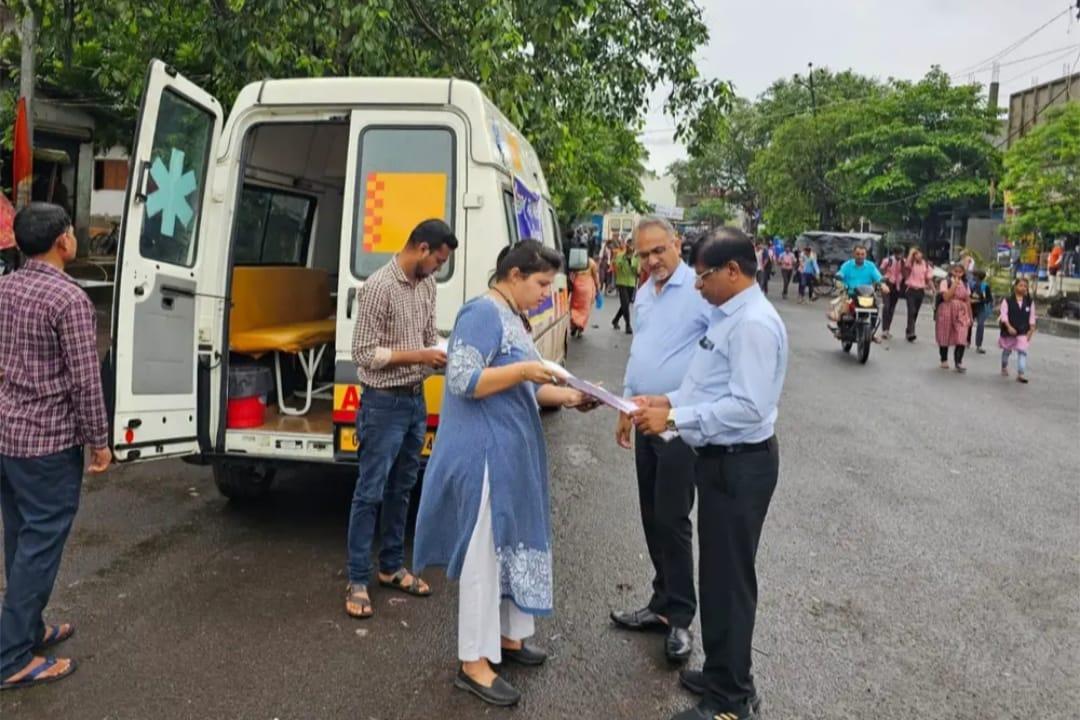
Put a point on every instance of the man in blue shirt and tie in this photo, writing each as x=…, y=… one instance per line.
x=725, y=409
x=670, y=317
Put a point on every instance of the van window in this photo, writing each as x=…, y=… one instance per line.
x=273, y=227
x=551, y=232
x=406, y=176
x=511, y=217
x=178, y=163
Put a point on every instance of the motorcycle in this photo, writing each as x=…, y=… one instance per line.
x=857, y=324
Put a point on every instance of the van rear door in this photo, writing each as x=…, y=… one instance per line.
x=154, y=351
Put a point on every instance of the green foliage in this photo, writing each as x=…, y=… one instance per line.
x=893, y=151
x=711, y=211
x=1042, y=173
x=920, y=146
x=573, y=76
x=719, y=163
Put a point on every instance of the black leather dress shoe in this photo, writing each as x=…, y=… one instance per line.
x=501, y=693
x=679, y=645
x=527, y=655
x=694, y=681
x=701, y=712
x=643, y=619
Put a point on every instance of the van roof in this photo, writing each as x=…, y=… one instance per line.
x=495, y=139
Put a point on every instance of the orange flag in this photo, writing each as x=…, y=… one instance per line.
x=22, y=162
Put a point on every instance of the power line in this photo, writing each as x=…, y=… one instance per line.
x=1055, y=59
x=1002, y=53
x=1066, y=49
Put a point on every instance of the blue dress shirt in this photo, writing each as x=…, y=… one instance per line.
x=853, y=275
x=667, y=328
x=733, y=385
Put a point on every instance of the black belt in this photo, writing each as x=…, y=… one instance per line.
x=720, y=450
x=406, y=390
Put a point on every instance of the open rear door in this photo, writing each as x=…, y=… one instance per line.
x=155, y=306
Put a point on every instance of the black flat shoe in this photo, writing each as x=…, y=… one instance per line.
x=643, y=619
x=501, y=693
x=679, y=645
x=527, y=655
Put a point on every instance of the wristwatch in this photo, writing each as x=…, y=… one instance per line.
x=671, y=420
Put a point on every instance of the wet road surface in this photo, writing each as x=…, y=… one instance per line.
x=920, y=560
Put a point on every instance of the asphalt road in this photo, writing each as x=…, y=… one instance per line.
x=920, y=560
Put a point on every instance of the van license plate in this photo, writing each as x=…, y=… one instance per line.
x=347, y=440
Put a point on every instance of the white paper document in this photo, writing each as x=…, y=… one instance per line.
x=608, y=398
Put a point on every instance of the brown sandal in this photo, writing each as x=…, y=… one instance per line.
x=358, y=602
x=397, y=582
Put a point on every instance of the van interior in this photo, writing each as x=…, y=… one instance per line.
x=285, y=250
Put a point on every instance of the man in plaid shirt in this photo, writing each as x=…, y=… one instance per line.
x=51, y=407
x=394, y=349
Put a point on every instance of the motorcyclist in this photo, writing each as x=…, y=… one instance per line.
x=856, y=272
x=859, y=271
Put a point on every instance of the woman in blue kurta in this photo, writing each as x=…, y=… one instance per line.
x=484, y=511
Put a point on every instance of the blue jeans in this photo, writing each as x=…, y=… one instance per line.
x=1021, y=360
x=38, y=499
x=390, y=429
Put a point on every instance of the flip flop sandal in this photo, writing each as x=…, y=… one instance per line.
x=55, y=634
x=33, y=677
x=397, y=582
x=356, y=604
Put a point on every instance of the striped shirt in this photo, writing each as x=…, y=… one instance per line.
x=392, y=314
x=50, y=384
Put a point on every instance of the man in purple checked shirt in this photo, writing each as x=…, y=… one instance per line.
x=51, y=407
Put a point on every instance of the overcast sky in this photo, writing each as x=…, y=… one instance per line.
x=753, y=43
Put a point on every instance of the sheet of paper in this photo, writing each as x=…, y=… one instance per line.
x=608, y=398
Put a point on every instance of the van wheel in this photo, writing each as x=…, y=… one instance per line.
x=242, y=481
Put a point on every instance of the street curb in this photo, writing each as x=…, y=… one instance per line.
x=1059, y=327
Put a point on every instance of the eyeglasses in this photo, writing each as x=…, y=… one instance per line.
x=700, y=277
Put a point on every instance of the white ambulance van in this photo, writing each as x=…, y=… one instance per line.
x=244, y=240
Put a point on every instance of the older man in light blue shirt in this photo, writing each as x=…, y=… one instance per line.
x=670, y=317
x=725, y=409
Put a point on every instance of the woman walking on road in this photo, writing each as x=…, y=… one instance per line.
x=918, y=279
x=1017, y=317
x=584, y=286
x=982, y=304
x=484, y=510
x=787, y=268
x=809, y=272
x=953, y=317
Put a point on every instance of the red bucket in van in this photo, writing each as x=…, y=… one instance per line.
x=245, y=412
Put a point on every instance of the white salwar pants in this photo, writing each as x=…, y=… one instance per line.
x=482, y=615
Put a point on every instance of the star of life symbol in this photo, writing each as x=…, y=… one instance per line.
x=173, y=187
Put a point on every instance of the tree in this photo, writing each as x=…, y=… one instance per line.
x=711, y=211
x=921, y=147
x=566, y=73
x=1042, y=173
x=719, y=163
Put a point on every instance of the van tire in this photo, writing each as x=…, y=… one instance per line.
x=242, y=482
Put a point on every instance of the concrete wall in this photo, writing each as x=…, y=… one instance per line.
x=983, y=237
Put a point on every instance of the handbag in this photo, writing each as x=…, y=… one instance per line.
x=599, y=301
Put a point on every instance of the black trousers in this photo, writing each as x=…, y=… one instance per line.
x=734, y=492
x=958, y=354
x=914, y=302
x=626, y=301
x=665, y=472
x=786, y=274
x=892, y=299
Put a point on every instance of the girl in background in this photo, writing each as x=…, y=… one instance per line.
x=953, y=318
x=1017, y=316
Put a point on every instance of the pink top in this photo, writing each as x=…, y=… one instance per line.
x=893, y=270
x=920, y=274
x=787, y=261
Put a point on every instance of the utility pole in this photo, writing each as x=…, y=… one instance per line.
x=26, y=68
x=813, y=97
